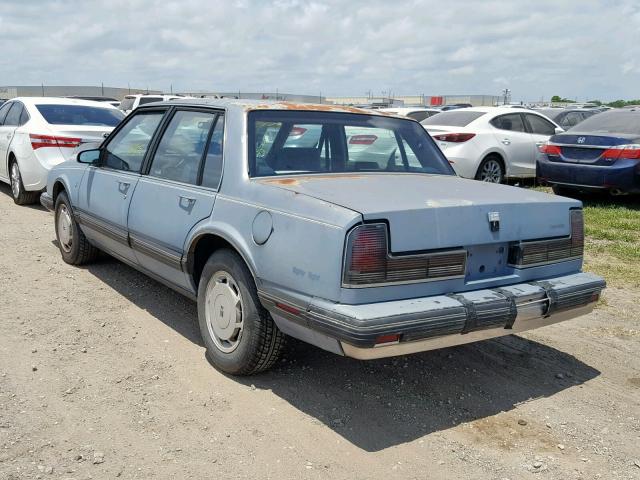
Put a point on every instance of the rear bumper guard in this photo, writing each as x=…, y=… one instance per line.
x=444, y=320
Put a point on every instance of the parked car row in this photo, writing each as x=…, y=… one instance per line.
x=37, y=133
x=337, y=226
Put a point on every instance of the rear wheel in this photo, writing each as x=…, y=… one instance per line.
x=73, y=245
x=491, y=170
x=19, y=194
x=240, y=336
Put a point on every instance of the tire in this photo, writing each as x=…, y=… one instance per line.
x=74, y=246
x=19, y=194
x=239, y=334
x=491, y=170
x=563, y=191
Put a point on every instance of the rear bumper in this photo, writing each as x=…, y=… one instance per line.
x=46, y=201
x=623, y=175
x=440, y=321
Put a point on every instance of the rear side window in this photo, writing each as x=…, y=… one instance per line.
x=614, y=121
x=418, y=116
x=3, y=111
x=80, y=115
x=539, y=125
x=127, y=148
x=453, y=118
x=512, y=122
x=145, y=100
x=182, y=147
x=24, y=117
x=13, y=117
x=127, y=103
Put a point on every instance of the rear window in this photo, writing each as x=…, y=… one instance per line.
x=80, y=115
x=127, y=103
x=453, y=118
x=289, y=143
x=615, y=121
x=145, y=100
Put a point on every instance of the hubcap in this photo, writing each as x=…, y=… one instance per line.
x=491, y=172
x=65, y=235
x=224, y=311
x=15, y=180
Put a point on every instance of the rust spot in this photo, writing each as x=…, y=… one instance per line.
x=305, y=178
x=314, y=107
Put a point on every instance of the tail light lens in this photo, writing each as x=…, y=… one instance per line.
x=42, y=141
x=631, y=152
x=541, y=252
x=369, y=263
x=362, y=139
x=454, y=137
x=550, y=149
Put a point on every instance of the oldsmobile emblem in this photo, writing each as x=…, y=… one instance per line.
x=494, y=221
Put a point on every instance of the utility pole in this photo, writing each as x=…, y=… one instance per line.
x=42, y=85
x=102, y=88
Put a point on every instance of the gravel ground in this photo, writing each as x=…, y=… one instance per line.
x=103, y=375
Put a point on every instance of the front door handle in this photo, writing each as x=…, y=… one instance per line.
x=506, y=141
x=123, y=187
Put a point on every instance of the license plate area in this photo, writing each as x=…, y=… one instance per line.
x=486, y=261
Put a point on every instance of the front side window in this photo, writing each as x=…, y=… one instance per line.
x=182, y=147
x=289, y=142
x=80, y=115
x=127, y=148
x=512, y=122
x=539, y=125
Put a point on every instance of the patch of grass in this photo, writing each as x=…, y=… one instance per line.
x=612, y=248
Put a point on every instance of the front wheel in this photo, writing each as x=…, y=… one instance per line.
x=240, y=336
x=19, y=194
x=74, y=246
x=490, y=170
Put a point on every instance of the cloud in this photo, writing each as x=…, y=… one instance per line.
x=574, y=49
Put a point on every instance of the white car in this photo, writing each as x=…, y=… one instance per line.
x=131, y=102
x=491, y=143
x=417, y=113
x=37, y=133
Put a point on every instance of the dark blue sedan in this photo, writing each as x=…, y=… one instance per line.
x=600, y=154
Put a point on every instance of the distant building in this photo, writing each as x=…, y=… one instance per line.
x=68, y=91
x=284, y=97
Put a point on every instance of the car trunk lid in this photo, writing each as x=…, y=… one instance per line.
x=428, y=212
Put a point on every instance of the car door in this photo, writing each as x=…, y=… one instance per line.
x=541, y=129
x=177, y=191
x=6, y=134
x=515, y=142
x=107, y=187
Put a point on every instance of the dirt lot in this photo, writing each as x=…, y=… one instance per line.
x=103, y=375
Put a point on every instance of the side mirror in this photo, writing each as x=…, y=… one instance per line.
x=89, y=156
x=559, y=130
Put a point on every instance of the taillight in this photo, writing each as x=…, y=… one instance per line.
x=630, y=152
x=368, y=261
x=297, y=131
x=41, y=141
x=454, y=137
x=362, y=139
x=550, y=149
x=541, y=252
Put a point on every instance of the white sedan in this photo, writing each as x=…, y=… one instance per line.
x=491, y=143
x=37, y=133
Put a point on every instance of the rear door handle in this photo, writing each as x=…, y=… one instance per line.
x=188, y=201
x=506, y=141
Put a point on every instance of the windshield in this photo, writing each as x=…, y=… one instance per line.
x=453, y=118
x=614, y=121
x=80, y=115
x=287, y=143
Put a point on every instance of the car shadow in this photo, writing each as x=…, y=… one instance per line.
x=6, y=189
x=381, y=403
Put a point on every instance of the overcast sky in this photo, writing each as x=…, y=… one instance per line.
x=577, y=48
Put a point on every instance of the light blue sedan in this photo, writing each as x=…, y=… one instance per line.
x=366, y=255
